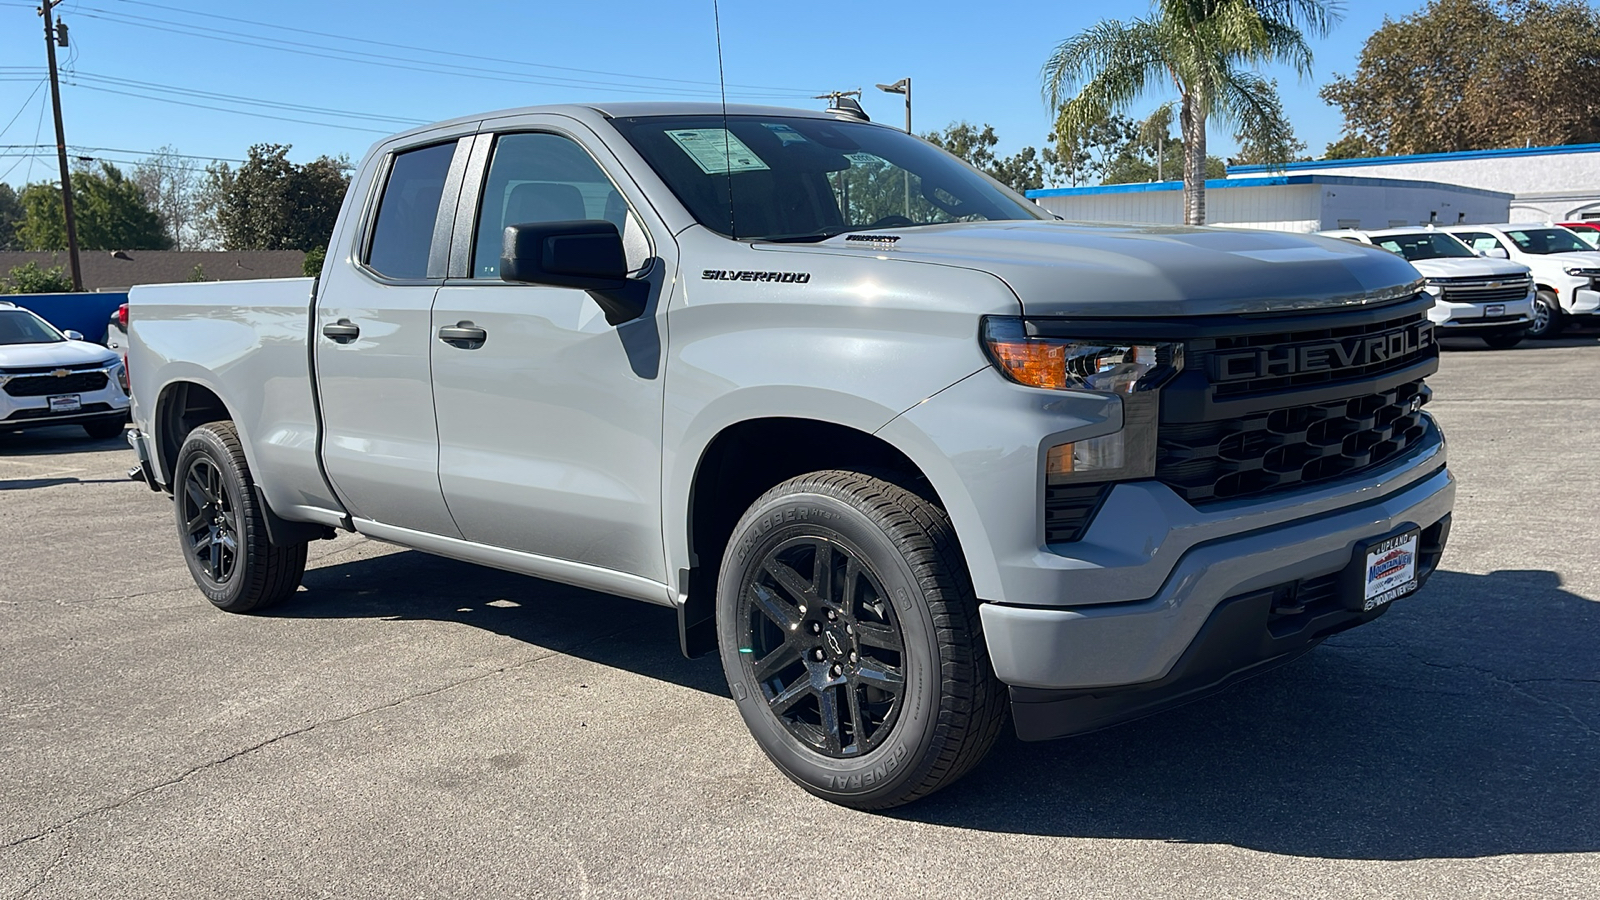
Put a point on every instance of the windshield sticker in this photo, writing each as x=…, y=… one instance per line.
x=717, y=151
x=863, y=158
x=784, y=133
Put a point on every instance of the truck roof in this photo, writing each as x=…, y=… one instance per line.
x=625, y=109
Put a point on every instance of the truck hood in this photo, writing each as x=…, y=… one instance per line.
x=1060, y=268
x=1474, y=267
x=61, y=353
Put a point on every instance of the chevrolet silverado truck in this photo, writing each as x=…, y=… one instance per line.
x=1473, y=296
x=900, y=448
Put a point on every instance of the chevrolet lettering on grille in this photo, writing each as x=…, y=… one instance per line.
x=1321, y=356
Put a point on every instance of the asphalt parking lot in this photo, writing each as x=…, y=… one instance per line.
x=414, y=727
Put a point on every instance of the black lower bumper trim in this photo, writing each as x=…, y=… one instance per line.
x=1244, y=636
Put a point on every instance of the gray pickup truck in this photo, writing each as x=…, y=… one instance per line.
x=899, y=447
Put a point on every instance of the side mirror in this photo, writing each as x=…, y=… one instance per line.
x=73, y=335
x=1495, y=253
x=582, y=254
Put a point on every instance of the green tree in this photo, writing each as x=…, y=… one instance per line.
x=1206, y=49
x=270, y=203
x=1471, y=75
x=311, y=266
x=111, y=214
x=29, y=278
x=10, y=218
x=1025, y=170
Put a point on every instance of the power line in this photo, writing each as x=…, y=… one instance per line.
x=477, y=57
x=384, y=61
x=24, y=106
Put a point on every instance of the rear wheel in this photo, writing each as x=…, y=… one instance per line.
x=1546, y=315
x=221, y=529
x=850, y=637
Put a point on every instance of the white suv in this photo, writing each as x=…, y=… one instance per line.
x=1565, y=269
x=1472, y=296
x=52, y=378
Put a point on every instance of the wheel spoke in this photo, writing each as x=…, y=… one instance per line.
x=216, y=559
x=858, y=728
x=196, y=492
x=196, y=523
x=782, y=613
x=775, y=661
x=880, y=636
x=791, y=695
x=822, y=572
x=852, y=576
x=828, y=703
x=202, y=544
x=884, y=678
x=788, y=579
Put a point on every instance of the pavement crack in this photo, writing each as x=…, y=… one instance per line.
x=337, y=720
x=66, y=845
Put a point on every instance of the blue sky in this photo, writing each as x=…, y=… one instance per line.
x=978, y=62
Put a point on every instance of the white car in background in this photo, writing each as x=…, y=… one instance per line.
x=1566, y=270
x=1472, y=296
x=48, y=377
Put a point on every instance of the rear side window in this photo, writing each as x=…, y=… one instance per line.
x=403, y=232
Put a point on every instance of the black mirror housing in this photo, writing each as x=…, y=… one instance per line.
x=583, y=254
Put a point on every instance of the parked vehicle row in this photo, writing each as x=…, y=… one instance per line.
x=50, y=377
x=894, y=443
x=1566, y=270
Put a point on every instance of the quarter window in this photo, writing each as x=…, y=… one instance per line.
x=538, y=177
x=403, y=232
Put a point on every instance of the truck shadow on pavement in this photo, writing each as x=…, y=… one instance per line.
x=56, y=440
x=1464, y=723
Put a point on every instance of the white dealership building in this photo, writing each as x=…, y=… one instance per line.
x=1534, y=184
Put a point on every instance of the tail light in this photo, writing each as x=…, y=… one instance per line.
x=122, y=316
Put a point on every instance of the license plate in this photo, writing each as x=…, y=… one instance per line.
x=1496, y=310
x=1390, y=569
x=65, y=403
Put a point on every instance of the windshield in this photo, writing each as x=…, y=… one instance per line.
x=803, y=179
x=18, y=326
x=1547, y=240
x=1587, y=233
x=1432, y=245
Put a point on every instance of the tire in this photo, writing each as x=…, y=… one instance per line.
x=1504, y=341
x=1546, y=316
x=221, y=531
x=104, y=429
x=800, y=651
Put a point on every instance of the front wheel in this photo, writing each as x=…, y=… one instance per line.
x=850, y=637
x=1546, y=315
x=221, y=528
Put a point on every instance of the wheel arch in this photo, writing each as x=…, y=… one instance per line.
x=182, y=405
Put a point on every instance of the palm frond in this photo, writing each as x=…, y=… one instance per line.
x=1089, y=55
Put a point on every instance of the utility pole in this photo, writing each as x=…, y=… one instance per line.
x=903, y=86
x=51, y=36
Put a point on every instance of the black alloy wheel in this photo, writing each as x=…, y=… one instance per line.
x=211, y=523
x=849, y=633
x=822, y=641
x=222, y=527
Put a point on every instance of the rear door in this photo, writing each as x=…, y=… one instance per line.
x=373, y=336
x=550, y=427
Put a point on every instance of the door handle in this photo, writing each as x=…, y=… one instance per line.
x=464, y=335
x=341, y=332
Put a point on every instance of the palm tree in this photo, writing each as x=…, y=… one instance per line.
x=1208, y=50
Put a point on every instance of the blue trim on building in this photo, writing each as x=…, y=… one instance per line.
x=1214, y=184
x=1509, y=152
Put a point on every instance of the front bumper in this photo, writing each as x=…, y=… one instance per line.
x=1067, y=651
x=1449, y=316
x=108, y=402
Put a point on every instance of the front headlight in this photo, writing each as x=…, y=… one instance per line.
x=1581, y=271
x=1131, y=369
x=1066, y=364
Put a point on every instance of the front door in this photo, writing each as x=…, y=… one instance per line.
x=550, y=425
x=373, y=335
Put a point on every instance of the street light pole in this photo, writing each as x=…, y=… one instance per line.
x=50, y=38
x=903, y=86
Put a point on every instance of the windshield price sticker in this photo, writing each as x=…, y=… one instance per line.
x=717, y=151
x=1391, y=569
x=784, y=133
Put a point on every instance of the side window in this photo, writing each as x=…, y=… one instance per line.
x=403, y=232
x=537, y=177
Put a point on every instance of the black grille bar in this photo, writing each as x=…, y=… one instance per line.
x=49, y=385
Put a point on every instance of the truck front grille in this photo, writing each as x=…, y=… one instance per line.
x=49, y=385
x=1281, y=448
x=1480, y=290
x=1263, y=363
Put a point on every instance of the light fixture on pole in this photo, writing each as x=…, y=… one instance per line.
x=903, y=86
